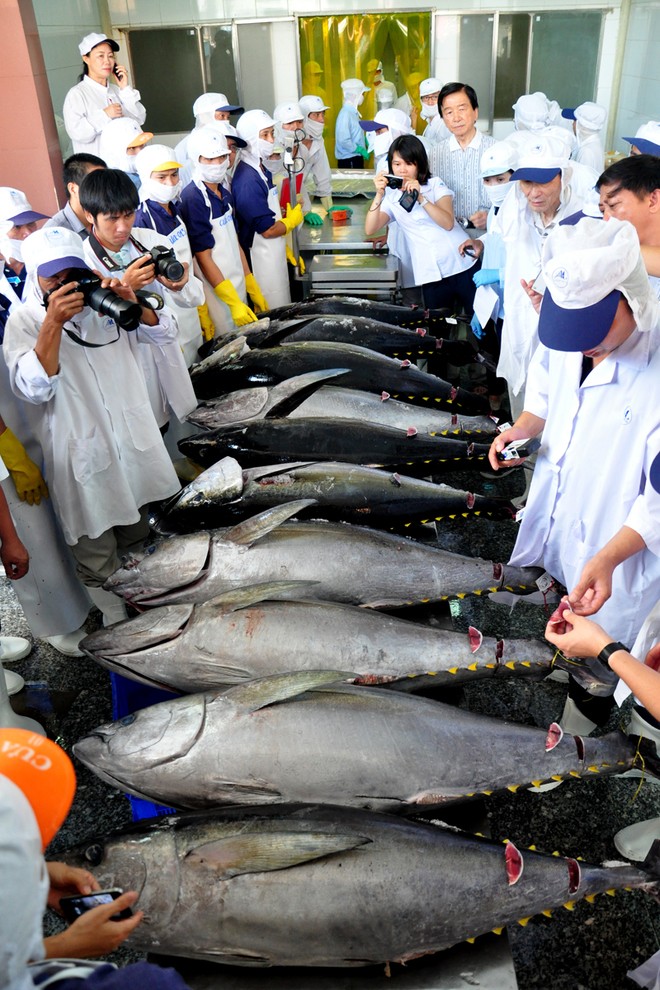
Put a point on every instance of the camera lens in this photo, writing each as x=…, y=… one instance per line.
x=126, y=314
x=170, y=268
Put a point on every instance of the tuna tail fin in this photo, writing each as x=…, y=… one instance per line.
x=253, y=529
x=238, y=598
x=279, y=687
x=261, y=852
x=590, y=674
x=290, y=394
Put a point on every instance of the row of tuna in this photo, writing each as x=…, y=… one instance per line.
x=297, y=743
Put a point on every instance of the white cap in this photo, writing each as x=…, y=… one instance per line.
x=591, y=116
x=584, y=263
x=354, y=86
x=210, y=102
x=52, y=249
x=500, y=157
x=311, y=104
x=430, y=85
x=285, y=113
x=155, y=158
x=92, y=40
x=396, y=120
x=252, y=122
x=230, y=131
x=647, y=138
x=540, y=161
x=208, y=141
x=15, y=209
x=531, y=111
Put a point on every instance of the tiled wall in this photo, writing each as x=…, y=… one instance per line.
x=639, y=98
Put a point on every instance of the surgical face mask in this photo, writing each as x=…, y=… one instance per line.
x=9, y=248
x=313, y=128
x=129, y=164
x=288, y=138
x=382, y=143
x=497, y=193
x=274, y=165
x=159, y=191
x=265, y=148
x=429, y=111
x=212, y=173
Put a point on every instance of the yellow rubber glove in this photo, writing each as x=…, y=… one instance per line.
x=205, y=322
x=240, y=311
x=29, y=484
x=296, y=262
x=293, y=218
x=326, y=202
x=255, y=294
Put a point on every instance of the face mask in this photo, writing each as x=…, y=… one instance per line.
x=497, y=193
x=9, y=248
x=288, y=138
x=159, y=192
x=264, y=148
x=429, y=112
x=382, y=143
x=274, y=165
x=212, y=173
x=237, y=158
x=314, y=128
x=129, y=164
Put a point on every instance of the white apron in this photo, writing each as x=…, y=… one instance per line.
x=268, y=257
x=227, y=256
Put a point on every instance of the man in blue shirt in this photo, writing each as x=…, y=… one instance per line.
x=350, y=149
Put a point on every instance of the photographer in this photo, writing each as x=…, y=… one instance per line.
x=104, y=456
x=110, y=201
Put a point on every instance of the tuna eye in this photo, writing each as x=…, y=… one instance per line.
x=127, y=720
x=94, y=854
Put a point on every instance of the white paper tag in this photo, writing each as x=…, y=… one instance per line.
x=519, y=514
x=545, y=582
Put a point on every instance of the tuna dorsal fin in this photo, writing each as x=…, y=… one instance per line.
x=279, y=687
x=261, y=852
x=270, y=470
x=238, y=598
x=288, y=395
x=253, y=529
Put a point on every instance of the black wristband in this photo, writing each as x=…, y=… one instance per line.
x=607, y=651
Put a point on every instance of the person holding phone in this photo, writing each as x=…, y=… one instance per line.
x=95, y=100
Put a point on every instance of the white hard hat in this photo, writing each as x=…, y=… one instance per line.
x=311, y=104
x=285, y=113
x=208, y=141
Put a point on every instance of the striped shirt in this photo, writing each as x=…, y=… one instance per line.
x=460, y=169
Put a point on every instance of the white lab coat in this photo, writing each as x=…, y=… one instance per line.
x=436, y=130
x=590, y=476
x=590, y=152
x=162, y=361
x=84, y=112
x=317, y=167
x=103, y=452
x=524, y=246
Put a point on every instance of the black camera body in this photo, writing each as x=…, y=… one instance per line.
x=104, y=301
x=166, y=263
x=408, y=199
x=394, y=182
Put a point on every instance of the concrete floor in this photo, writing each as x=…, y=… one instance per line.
x=589, y=948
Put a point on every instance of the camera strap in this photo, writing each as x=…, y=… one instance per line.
x=88, y=343
x=105, y=258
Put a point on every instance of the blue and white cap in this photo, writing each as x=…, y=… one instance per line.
x=53, y=249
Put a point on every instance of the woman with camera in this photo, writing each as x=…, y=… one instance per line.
x=428, y=234
x=94, y=101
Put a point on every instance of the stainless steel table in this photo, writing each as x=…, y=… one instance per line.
x=342, y=237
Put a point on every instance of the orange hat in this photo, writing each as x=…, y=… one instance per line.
x=45, y=774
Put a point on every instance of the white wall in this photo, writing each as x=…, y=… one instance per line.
x=639, y=98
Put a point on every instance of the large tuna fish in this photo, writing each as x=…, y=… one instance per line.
x=244, y=635
x=400, y=316
x=228, y=369
x=280, y=441
x=224, y=494
x=278, y=739
x=302, y=397
x=350, y=564
x=325, y=886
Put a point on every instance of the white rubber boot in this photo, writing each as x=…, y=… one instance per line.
x=574, y=722
x=14, y=648
x=635, y=841
x=67, y=643
x=8, y=717
x=111, y=606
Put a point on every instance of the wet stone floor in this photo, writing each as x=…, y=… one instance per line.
x=588, y=948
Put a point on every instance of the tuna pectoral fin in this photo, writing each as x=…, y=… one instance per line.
x=237, y=598
x=288, y=395
x=256, y=852
x=590, y=674
x=269, y=690
x=260, y=525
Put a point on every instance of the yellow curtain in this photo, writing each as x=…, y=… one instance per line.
x=346, y=46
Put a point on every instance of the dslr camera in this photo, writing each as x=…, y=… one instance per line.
x=104, y=301
x=166, y=263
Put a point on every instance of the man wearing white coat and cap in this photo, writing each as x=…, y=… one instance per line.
x=104, y=456
x=588, y=121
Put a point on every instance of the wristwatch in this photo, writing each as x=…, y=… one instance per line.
x=607, y=651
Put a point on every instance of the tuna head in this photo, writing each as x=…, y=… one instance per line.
x=178, y=562
x=143, y=745
x=222, y=482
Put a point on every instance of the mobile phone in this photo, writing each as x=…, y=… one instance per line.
x=115, y=73
x=518, y=449
x=73, y=907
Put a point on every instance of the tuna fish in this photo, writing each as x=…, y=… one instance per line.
x=324, y=886
x=400, y=316
x=280, y=441
x=224, y=494
x=279, y=739
x=228, y=369
x=246, y=635
x=349, y=564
